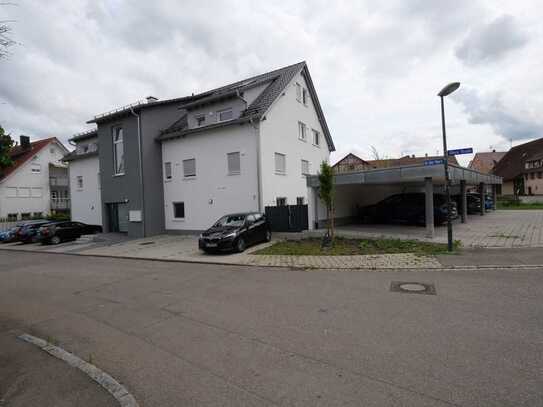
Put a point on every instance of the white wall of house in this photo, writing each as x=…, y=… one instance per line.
x=27, y=190
x=213, y=192
x=279, y=133
x=86, y=200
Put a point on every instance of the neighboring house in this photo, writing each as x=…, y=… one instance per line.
x=512, y=168
x=485, y=162
x=408, y=160
x=180, y=164
x=37, y=182
x=533, y=174
x=351, y=163
x=243, y=147
x=84, y=174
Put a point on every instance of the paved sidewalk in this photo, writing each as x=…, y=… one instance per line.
x=30, y=377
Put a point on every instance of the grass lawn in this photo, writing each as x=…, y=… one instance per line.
x=347, y=247
x=507, y=205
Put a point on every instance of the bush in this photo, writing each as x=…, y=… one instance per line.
x=58, y=217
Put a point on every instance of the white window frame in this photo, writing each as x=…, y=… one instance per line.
x=298, y=92
x=300, y=198
x=185, y=175
x=302, y=131
x=220, y=112
x=317, y=137
x=305, y=95
x=36, y=192
x=79, y=182
x=281, y=198
x=120, y=141
x=13, y=190
x=284, y=170
x=35, y=168
x=20, y=190
x=233, y=154
x=184, y=210
x=168, y=169
x=307, y=170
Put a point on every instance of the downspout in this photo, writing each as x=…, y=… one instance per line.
x=142, y=187
x=258, y=165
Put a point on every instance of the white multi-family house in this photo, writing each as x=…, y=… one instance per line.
x=84, y=175
x=243, y=147
x=36, y=184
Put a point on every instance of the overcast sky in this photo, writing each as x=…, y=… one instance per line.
x=377, y=65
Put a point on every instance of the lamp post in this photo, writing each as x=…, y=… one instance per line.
x=447, y=90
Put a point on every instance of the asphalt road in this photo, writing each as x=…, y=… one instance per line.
x=189, y=335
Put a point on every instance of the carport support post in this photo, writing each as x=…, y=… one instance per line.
x=482, y=197
x=429, y=206
x=463, y=202
x=494, y=196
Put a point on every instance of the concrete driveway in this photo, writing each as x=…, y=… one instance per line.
x=179, y=334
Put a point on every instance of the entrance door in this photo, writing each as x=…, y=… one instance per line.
x=118, y=217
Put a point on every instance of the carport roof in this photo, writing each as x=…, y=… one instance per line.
x=410, y=174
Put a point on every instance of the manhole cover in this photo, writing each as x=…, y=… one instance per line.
x=412, y=287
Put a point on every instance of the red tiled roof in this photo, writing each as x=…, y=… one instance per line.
x=21, y=156
x=485, y=162
x=513, y=163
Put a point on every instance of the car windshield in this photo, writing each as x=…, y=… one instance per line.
x=230, y=221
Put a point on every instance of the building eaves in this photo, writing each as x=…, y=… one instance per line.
x=173, y=133
x=73, y=156
x=84, y=135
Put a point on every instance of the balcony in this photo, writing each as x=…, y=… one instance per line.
x=59, y=181
x=60, y=203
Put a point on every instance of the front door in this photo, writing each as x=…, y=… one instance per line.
x=118, y=217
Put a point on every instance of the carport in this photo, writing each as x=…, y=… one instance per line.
x=362, y=188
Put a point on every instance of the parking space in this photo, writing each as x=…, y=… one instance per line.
x=499, y=229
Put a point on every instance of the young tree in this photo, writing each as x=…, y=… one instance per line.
x=326, y=180
x=5, y=146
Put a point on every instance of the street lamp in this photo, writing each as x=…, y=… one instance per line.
x=447, y=90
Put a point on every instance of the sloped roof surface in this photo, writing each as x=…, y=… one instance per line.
x=485, y=162
x=20, y=156
x=513, y=163
x=278, y=80
x=352, y=158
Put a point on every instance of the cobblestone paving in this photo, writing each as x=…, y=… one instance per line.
x=500, y=229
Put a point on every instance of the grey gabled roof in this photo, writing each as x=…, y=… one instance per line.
x=84, y=135
x=278, y=79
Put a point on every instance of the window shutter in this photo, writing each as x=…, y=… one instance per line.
x=189, y=167
x=233, y=160
x=280, y=163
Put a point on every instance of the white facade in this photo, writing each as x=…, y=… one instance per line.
x=26, y=191
x=85, y=190
x=279, y=133
x=213, y=192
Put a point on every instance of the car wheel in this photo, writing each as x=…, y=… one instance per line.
x=55, y=240
x=240, y=245
x=268, y=235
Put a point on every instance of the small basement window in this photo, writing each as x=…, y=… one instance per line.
x=179, y=210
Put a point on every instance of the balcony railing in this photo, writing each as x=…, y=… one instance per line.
x=59, y=181
x=60, y=203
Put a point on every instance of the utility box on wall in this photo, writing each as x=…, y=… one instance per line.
x=134, y=216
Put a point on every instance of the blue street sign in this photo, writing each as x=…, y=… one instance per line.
x=434, y=162
x=460, y=151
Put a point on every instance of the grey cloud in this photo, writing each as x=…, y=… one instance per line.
x=504, y=120
x=492, y=41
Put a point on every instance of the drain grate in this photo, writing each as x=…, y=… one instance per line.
x=412, y=287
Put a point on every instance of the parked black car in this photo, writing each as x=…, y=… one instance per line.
x=235, y=232
x=56, y=232
x=407, y=208
x=473, y=200
x=28, y=233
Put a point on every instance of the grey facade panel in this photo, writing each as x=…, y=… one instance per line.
x=120, y=188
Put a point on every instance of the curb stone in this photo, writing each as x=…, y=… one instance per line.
x=117, y=390
x=294, y=267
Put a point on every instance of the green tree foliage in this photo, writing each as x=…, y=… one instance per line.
x=326, y=192
x=6, y=143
